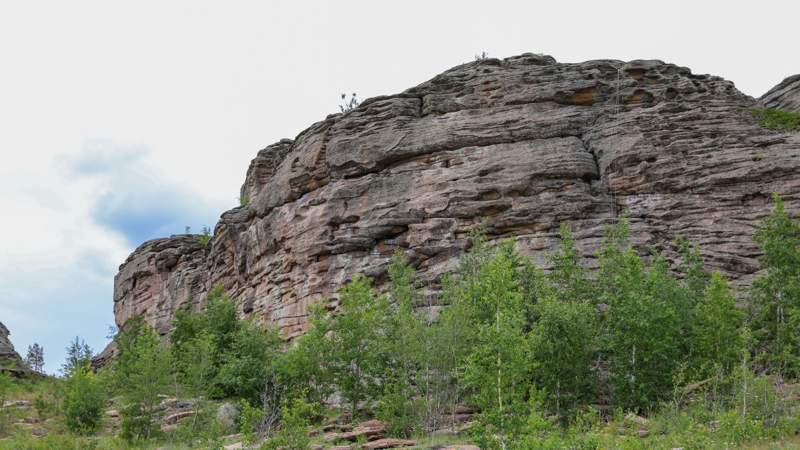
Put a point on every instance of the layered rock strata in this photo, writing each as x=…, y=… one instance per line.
x=519, y=145
x=10, y=360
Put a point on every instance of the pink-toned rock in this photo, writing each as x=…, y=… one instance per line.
x=388, y=443
x=177, y=417
x=521, y=144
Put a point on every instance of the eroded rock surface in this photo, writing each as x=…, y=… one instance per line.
x=520, y=145
x=786, y=95
x=10, y=360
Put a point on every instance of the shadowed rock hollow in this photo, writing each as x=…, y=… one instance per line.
x=520, y=145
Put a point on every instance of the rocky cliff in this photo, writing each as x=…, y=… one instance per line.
x=521, y=145
x=10, y=360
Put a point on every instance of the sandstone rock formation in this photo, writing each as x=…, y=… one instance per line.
x=786, y=95
x=10, y=360
x=521, y=145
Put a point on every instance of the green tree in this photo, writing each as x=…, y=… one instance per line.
x=646, y=308
x=563, y=346
x=35, y=358
x=400, y=403
x=498, y=368
x=140, y=373
x=716, y=343
x=84, y=400
x=357, y=335
x=250, y=361
x=775, y=299
x=307, y=366
x=79, y=354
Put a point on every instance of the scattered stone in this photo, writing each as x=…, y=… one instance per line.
x=113, y=413
x=228, y=415
x=369, y=430
x=16, y=404
x=177, y=417
x=388, y=443
x=639, y=420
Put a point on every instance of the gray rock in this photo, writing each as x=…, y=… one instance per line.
x=10, y=360
x=521, y=145
x=228, y=415
x=785, y=95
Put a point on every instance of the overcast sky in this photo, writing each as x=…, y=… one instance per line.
x=123, y=121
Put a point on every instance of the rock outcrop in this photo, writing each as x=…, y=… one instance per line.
x=10, y=360
x=520, y=145
x=786, y=95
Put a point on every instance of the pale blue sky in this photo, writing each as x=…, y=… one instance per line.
x=124, y=121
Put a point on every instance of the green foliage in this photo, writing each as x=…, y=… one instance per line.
x=249, y=422
x=775, y=299
x=293, y=434
x=220, y=355
x=79, y=355
x=205, y=237
x=139, y=374
x=244, y=200
x=34, y=359
x=307, y=365
x=777, y=119
x=533, y=350
x=356, y=334
x=498, y=368
x=717, y=342
x=84, y=400
x=644, y=337
x=563, y=338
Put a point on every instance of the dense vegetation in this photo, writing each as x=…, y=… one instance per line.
x=637, y=354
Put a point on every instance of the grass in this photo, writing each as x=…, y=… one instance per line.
x=776, y=119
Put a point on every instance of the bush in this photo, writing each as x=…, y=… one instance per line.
x=84, y=401
x=140, y=373
x=775, y=294
x=293, y=434
x=219, y=355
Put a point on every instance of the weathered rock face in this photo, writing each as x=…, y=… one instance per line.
x=520, y=145
x=9, y=359
x=785, y=95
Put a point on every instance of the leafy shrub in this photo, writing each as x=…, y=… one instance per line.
x=293, y=434
x=220, y=355
x=205, y=237
x=775, y=299
x=139, y=374
x=84, y=401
